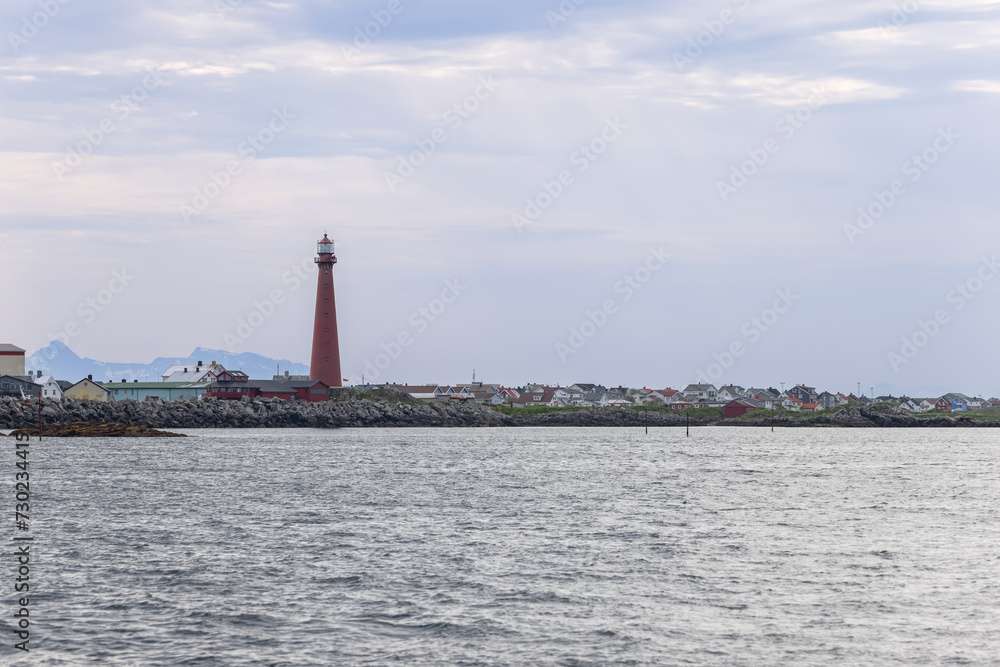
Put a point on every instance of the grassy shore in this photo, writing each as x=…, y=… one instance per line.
x=714, y=414
x=705, y=414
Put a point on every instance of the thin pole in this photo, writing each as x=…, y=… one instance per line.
x=647, y=421
x=39, y=415
x=688, y=415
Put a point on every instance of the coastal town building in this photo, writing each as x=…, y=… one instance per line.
x=488, y=397
x=166, y=391
x=51, y=387
x=663, y=396
x=87, y=389
x=731, y=392
x=11, y=360
x=584, y=388
x=199, y=372
x=19, y=386
x=251, y=389
x=234, y=385
x=739, y=407
x=792, y=403
x=198, y=380
x=314, y=391
x=545, y=397
x=697, y=392
x=424, y=392
x=803, y=393
x=830, y=400
x=287, y=377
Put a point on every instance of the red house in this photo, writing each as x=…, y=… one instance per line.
x=234, y=385
x=736, y=409
x=314, y=391
x=943, y=404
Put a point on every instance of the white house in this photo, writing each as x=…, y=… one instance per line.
x=199, y=372
x=424, y=392
x=615, y=398
x=490, y=397
x=566, y=396
x=701, y=391
x=792, y=403
x=730, y=393
x=546, y=397
x=50, y=386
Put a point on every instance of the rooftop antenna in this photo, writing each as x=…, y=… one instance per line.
x=473, y=376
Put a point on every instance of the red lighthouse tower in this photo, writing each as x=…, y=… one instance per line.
x=325, y=364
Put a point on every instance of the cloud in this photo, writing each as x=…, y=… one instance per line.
x=356, y=114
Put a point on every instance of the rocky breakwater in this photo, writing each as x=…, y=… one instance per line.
x=385, y=408
x=347, y=410
x=876, y=416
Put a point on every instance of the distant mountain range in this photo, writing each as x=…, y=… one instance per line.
x=59, y=360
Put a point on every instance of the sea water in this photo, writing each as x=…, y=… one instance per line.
x=513, y=546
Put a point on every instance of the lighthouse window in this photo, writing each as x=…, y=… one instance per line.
x=326, y=314
x=328, y=358
x=328, y=329
x=326, y=300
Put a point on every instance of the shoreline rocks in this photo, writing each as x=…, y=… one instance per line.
x=350, y=409
x=95, y=430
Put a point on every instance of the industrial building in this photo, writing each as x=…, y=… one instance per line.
x=167, y=391
x=11, y=360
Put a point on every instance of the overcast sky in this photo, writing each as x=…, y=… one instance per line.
x=728, y=149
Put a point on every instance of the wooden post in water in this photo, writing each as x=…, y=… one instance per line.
x=688, y=415
x=39, y=414
x=647, y=421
